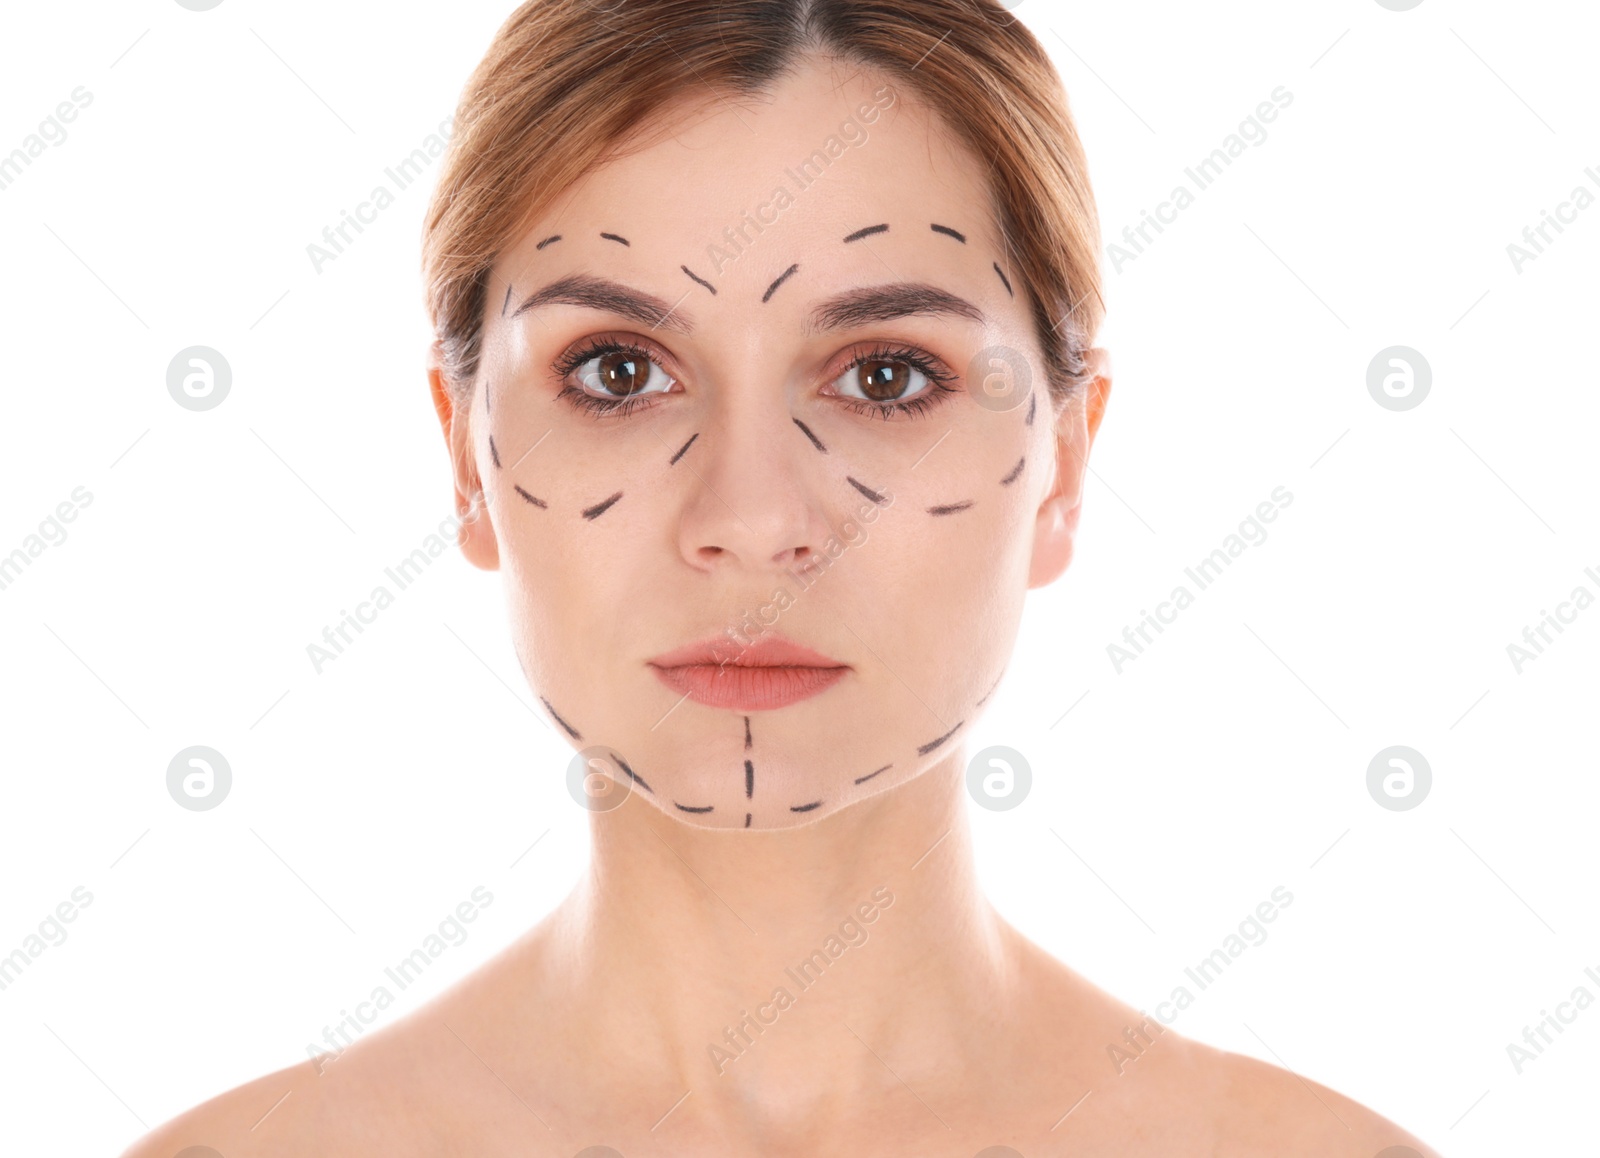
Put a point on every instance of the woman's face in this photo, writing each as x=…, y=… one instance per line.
x=765, y=509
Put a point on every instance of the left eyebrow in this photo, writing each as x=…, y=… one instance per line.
x=885, y=303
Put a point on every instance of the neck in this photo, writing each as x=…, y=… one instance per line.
x=747, y=966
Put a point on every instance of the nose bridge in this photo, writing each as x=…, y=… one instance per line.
x=757, y=499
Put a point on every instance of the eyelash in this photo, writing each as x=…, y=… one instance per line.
x=939, y=380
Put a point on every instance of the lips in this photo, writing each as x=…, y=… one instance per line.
x=771, y=672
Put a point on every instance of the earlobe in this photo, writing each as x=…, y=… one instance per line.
x=476, y=536
x=1056, y=523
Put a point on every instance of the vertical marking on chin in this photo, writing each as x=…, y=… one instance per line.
x=924, y=749
x=687, y=808
x=815, y=441
x=536, y=502
x=747, y=820
x=749, y=780
x=673, y=461
x=634, y=776
x=870, y=775
x=949, y=508
x=805, y=807
x=747, y=733
x=868, y=491
x=493, y=453
x=773, y=288
x=570, y=730
x=614, y=237
x=948, y=232
x=699, y=279
x=1004, y=279
x=1015, y=471
x=599, y=509
x=867, y=232
x=1033, y=404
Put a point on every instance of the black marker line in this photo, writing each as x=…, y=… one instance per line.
x=571, y=731
x=493, y=453
x=990, y=692
x=747, y=820
x=614, y=237
x=805, y=807
x=945, y=229
x=749, y=780
x=1003, y=278
x=632, y=775
x=599, y=509
x=686, y=808
x=870, y=775
x=487, y=390
x=924, y=749
x=868, y=491
x=815, y=441
x=531, y=499
x=747, y=733
x=673, y=461
x=1015, y=471
x=950, y=508
x=548, y=241
x=773, y=288
x=505, y=304
x=699, y=279
x=1033, y=404
x=867, y=232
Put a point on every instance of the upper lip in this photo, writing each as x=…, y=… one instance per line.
x=770, y=650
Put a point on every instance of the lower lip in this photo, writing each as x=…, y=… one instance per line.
x=748, y=689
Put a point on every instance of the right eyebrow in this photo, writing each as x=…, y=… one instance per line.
x=599, y=293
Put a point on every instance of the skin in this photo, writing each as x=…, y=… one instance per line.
x=940, y=1030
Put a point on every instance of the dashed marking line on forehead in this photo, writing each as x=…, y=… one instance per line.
x=673, y=461
x=601, y=508
x=867, y=232
x=1004, y=279
x=619, y=240
x=815, y=441
x=950, y=508
x=870, y=775
x=773, y=288
x=570, y=730
x=548, y=241
x=866, y=490
x=924, y=749
x=948, y=232
x=536, y=502
x=1015, y=471
x=699, y=279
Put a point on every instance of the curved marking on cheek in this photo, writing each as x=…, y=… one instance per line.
x=950, y=508
x=773, y=288
x=1004, y=279
x=749, y=780
x=699, y=279
x=536, y=502
x=673, y=461
x=868, y=491
x=687, y=808
x=947, y=231
x=870, y=775
x=805, y=807
x=924, y=749
x=747, y=733
x=867, y=232
x=634, y=776
x=747, y=820
x=601, y=508
x=1015, y=471
x=570, y=730
x=1033, y=404
x=614, y=237
x=507, y=303
x=815, y=441
x=493, y=453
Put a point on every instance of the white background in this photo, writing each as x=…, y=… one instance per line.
x=1229, y=759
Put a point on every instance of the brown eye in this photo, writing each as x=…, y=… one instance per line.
x=621, y=373
x=881, y=380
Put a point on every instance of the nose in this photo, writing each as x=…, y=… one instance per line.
x=755, y=502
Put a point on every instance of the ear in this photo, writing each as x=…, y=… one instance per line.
x=476, y=537
x=1056, y=524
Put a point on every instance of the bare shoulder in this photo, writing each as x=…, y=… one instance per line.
x=268, y=1116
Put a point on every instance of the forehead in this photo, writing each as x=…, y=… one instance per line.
x=829, y=150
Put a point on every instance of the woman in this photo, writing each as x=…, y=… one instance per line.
x=764, y=369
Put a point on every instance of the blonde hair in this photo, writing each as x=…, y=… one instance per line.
x=565, y=80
